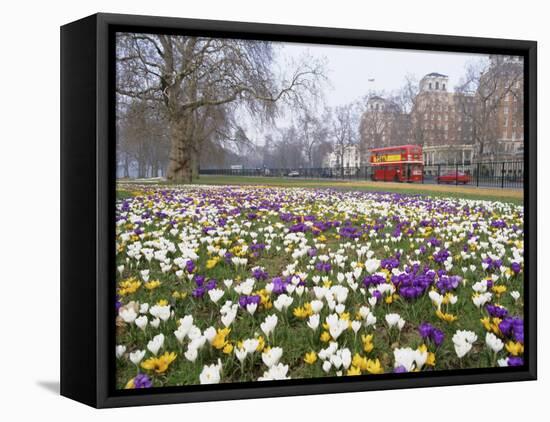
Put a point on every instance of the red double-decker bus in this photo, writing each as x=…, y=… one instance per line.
x=397, y=164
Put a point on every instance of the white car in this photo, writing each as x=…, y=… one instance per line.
x=293, y=173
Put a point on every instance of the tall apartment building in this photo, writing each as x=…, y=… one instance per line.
x=439, y=124
x=454, y=127
x=383, y=124
x=502, y=137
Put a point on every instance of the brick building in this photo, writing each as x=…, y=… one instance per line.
x=454, y=127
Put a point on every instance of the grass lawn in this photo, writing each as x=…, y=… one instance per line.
x=366, y=259
x=514, y=196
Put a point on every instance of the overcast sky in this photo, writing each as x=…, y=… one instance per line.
x=350, y=68
x=353, y=72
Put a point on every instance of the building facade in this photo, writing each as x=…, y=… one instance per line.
x=454, y=126
x=348, y=157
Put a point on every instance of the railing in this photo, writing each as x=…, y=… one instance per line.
x=506, y=174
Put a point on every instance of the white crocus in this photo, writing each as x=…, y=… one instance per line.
x=137, y=356
x=395, y=320
x=191, y=354
x=141, y=322
x=410, y=359
x=156, y=343
x=515, y=295
x=241, y=354
x=371, y=265
x=128, y=315
x=251, y=344
x=211, y=374
x=251, y=308
x=313, y=321
x=437, y=299
x=316, y=306
x=215, y=294
x=493, y=342
x=120, y=350
x=275, y=372
x=272, y=356
x=336, y=326
x=463, y=341
x=229, y=317
x=210, y=333
x=269, y=324
x=283, y=302
x=356, y=326
x=160, y=311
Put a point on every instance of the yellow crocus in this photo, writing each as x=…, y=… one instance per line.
x=498, y=289
x=445, y=317
x=211, y=263
x=353, y=370
x=359, y=362
x=374, y=366
x=159, y=364
x=325, y=337
x=220, y=339
x=514, y=348
x=151, y=285
x=367, y=342
x=261, y=344
x=310, y=358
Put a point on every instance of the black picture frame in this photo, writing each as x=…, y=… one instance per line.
x=88, y=198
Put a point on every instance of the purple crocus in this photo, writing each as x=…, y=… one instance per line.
x=244, y=300
x=279, y=286
x=447, y=283
x=512, y=327
x=429, y=332
x=198, y=292
x=515, y=361
x=259, y=273
x=496, y=311
x=142, y=381
x=190, y=266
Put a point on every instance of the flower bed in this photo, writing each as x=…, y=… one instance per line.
x=230, y=284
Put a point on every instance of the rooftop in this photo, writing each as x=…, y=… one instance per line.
x=440, y=75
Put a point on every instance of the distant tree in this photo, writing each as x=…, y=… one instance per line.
x=189, y=77
x=313, y=133
x=344, y=129
x=490, y=84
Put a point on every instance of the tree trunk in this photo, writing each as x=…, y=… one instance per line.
x=180, y=165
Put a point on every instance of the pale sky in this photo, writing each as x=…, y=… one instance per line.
x=350, y=68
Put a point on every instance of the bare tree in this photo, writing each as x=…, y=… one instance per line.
x=190, y=77
x=313, y=133
x=344, y=130
x=142, y=142
x=484, y=89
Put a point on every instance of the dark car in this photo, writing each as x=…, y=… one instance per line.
x=455, y=177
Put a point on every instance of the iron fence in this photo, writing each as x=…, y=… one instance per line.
x=506, y=174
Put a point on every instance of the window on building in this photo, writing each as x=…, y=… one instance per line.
x=443, y=87
x=430, y=85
